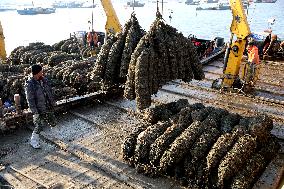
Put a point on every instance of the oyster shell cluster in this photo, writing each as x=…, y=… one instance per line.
x=191, y=145
x=12, y=81
x=70, y=78
x=68, y=68
x=114, y=57
x=45, y=54
x=61, y=58
x=141, y=62
x=161, y=55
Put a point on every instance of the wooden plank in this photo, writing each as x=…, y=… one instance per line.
x=271, y=177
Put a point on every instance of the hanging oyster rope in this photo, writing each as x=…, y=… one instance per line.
x=113, y=60
x=162, y=55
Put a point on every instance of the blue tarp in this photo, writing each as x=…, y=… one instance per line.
x=257, y=37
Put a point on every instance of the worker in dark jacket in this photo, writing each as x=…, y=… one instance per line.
x=40, y=101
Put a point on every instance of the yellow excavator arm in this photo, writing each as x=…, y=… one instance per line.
x=112, y=23
x=2, y=44
x=233, y=57
x=239, y=26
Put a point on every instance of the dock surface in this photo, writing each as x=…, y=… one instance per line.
x=83, y=150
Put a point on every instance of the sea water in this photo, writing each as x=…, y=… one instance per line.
x=20, y=30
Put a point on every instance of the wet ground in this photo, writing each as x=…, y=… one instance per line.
x=83, y=151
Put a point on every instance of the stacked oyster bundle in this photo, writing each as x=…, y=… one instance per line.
x=163, y=112
x=98, y=73
x=161, y=55
x=9, y=86
x=12, y=81
x=9, y=69
x=114, y=57
x=63, y=66
x=67, y=73
x=63, y=56
x=56, y=57
x=70, y=78
x=192, y=146
x=29, y=54
x=68, y=45
x=40, y=53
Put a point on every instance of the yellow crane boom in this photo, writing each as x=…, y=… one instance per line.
x=2, y=44
x=233, y=57
x=112, y=23
x=239, y=26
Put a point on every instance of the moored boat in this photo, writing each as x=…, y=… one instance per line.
x=218, y=6
x=6, y=8
x=265, y=1
x=72, y=4
x=135, y=4
x=224, y=6
x=35, y=10
x=192, y=2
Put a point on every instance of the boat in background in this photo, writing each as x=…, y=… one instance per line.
x=35, y=10
x=209, y=1
x=208, y=50
x=88, y=5
x=192, y=2
x=135, y=4
x=218, y=6
x=265, y=1
x=72, y=4
x=225, y=6
x=6, y=8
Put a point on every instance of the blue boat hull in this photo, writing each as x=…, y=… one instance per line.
x=34, y=11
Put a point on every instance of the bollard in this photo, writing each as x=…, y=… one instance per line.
x=17, y=100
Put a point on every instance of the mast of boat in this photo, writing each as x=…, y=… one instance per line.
x=248, y=3
x=93, y=15
x=133, y=5
x=162, y=6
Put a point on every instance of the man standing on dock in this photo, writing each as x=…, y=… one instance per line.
x=92, y=39
x=40, y=101
x=253, y=61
